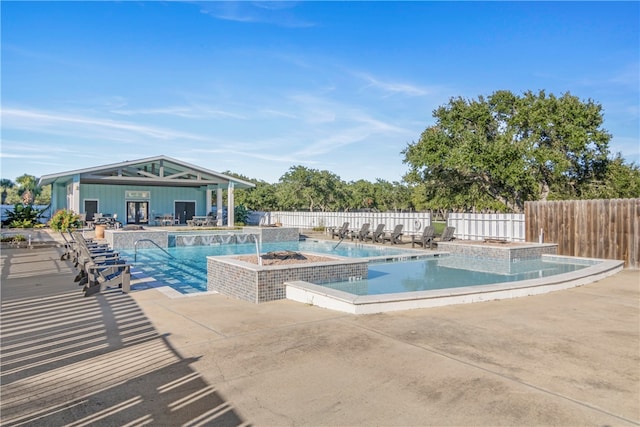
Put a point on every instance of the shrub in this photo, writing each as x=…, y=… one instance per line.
x=13, y=239
x=23, y=216
x=241, y=214
x=64, y=220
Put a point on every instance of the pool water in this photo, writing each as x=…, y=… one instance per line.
x=351, y=250
x=187, y=273
x=449, y=271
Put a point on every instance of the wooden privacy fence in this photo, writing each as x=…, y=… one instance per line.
x=608, y=229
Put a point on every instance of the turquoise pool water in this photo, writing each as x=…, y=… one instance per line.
x=325, y=247
x=187, y=271
x=448, y=271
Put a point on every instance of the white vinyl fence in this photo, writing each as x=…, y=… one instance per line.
x=509, y=227
x=468, y=226
x=413, y=222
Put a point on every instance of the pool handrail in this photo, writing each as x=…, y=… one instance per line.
x=135, y=246
x=256, y=237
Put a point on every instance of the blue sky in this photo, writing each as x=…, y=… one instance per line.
x=256, y=88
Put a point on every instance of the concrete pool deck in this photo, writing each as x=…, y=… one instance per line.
x=570, y=357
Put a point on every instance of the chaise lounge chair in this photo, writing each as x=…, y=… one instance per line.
x=362, y=233
x=340, y=232
x=376, y=236
x=395, y=236
x=426, y=238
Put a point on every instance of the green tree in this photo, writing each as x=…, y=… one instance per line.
x=622, y=181
x=260, y=198
x=304, y=188
x=5, y=185
x=496, y=153
x=360, y=195
x=43, y=197
x=28, y=188
x=391, y=196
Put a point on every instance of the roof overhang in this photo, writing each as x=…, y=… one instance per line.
x=154, y=171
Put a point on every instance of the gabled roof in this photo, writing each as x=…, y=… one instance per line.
x=159, y=170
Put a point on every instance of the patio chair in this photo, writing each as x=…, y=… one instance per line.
x=340, y=232
x=167, y=220
x=426, y=238
x=72, y=248
x=362, y=233
x=88, y=257
x=102, y=277
x=447, y=234
x=210, y=221
x=395, y=236
x=376, y=235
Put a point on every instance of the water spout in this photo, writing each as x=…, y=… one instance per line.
x=188, y=240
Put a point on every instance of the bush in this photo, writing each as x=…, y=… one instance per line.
x=13, y=239
x=241, y=214
x=23, y=216
x=64, y=220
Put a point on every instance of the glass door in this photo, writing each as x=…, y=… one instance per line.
x=137, y=212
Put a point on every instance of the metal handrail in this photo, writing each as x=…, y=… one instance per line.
x=135, y=246
x=334, y=248
x=258, y=246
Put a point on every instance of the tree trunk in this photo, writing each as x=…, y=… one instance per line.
x=544, y=191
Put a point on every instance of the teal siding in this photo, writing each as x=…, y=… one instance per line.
x=111, y=198
x=58, y=197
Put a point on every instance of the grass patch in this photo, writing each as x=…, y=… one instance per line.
x=439, y=226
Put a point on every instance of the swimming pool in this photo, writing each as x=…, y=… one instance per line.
x=185, y=270
x=450, y=271
x=351, y=302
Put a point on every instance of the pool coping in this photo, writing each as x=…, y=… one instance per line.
x=321, y=296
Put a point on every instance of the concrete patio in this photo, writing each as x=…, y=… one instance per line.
x=565, y=358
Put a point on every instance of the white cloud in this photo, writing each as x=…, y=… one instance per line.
x=185, y=112
x=392, y=88
x=278, y=113
x=274, y=13
x=260, y=154
x=65, y=124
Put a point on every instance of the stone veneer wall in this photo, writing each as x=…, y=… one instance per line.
x=274, y=234
x=254, y=283
x=125, y=239
x=511, y=253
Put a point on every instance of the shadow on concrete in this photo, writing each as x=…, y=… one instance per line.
x=70, y=360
